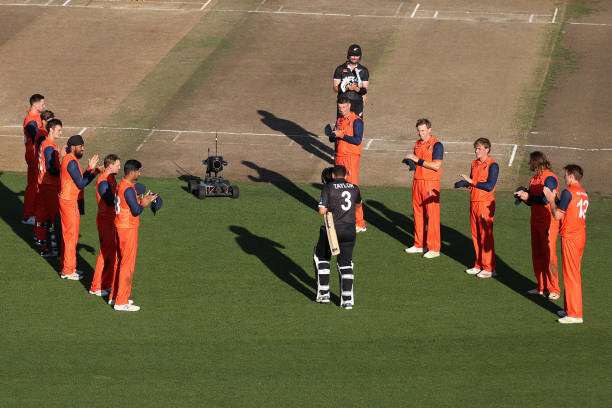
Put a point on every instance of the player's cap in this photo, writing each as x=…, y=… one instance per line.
x=157, y=204
x=517, y=201
x=410, y=164
x=76, y=140
x=353, y=50
x=140, y=188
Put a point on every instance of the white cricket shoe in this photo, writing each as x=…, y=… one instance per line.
x=28, y=221
x=486, y=274
x=127, y=308
x=535, y=291
x=414, y=250
x=101, y=292
x=431, y=254
x=347, y=305
x=360, y=229
x=553, y=296
x=112, y=302
x=472, y=271
x=72, y=276
x=570, y=320
x=323, y=298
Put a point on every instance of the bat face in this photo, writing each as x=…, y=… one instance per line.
x=332, y=237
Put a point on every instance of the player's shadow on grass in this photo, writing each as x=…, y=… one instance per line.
x=282, y=183
x=455, y=245
x=281, y=265
x=11, y=208
x=309, y=141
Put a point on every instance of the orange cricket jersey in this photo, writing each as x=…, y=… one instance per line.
x=30, y=154
x=480, y=174
x=123, y=214
x=68, y=190
x=575, y=216
x=43, y=176
x=106, y=212
x=345, y=125
x=424, y=150
x=540, y=213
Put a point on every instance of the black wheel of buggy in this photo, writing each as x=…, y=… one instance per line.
x=201, y=192
x=235, y=192
x=192, y=185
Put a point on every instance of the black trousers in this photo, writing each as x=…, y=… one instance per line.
x=346, y=241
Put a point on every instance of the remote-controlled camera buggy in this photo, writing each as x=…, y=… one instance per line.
x=212, y=186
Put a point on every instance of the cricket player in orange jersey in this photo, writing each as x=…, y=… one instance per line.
x=348, y=136
x=571, y=210
x=31, y=126
x=72, y=181
x=544, y=227
x=481, y=182
x=45, y=116
x=47, y=205
x=106, y=188
x=427, y=155
x=127, y=210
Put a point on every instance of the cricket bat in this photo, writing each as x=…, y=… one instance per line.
x=332, y=238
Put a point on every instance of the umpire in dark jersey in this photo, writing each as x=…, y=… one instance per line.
x=351, y=79
x=340, y=198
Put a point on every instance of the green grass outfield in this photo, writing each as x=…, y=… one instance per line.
x=228, y=318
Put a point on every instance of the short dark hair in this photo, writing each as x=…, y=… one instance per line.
x=110, y=159
x=484, y=142
x=36, y=98
x=423, y=121
x=344, y=99
x=339, y=171
x=53, y=123
x=574, y=170
x=130, y=166
x=46, y=115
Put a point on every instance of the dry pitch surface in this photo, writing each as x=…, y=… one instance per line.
x=155, y=81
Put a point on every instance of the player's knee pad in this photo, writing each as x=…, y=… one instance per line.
x=322, y=272
x=346, y=281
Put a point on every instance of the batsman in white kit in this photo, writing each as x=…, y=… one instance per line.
x=340, y=199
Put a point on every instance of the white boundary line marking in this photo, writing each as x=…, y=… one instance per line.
x=260, y=4
x=282, y=135
x=399, y=8
x=592, y=24
x=581, y=149
x=415, y=10
x=205, y=5
x=82, y=131
x=146, y=139
x=512, y=155
x=372, y=16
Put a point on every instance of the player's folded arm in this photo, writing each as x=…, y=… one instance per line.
x=489, y=185
x=132, y=201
